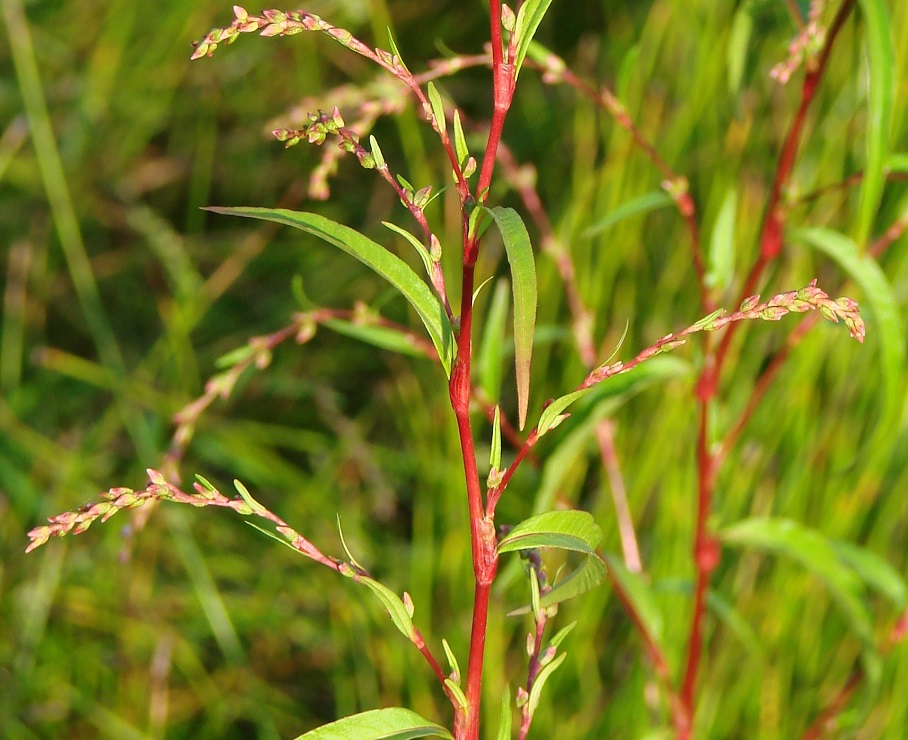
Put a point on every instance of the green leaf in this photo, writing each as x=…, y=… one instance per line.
x=504, y=724
x=722, y=243
x=438, y=108
x=460, y=141
x=491, y=351
x=589, y=574
x=873, y=570
x=882, y=90
x=394, y=50
x=816, y=553
x=452, y=660
x=495, y=453
x=256, y=507
x=884, y=307
x=541, y=678
x=639, y=595
x=523, y=276
x=566, y=530
x=379, y=336
x=529, y=17
x=377, y=258
x=377, y=153
x=551, y=415
x=393, y=723
x=417, y=245
x=459, y=696
x=394, y=605
x=642, y=204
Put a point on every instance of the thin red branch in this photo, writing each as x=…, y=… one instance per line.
x=706, y=550
x=771, y=234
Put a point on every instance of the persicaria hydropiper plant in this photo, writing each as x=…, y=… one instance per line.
x=450, y=330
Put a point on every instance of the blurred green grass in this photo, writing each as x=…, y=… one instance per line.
x=119, y=294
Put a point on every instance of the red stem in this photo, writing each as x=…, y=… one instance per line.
x=773, y=222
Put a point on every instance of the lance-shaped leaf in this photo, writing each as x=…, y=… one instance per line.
x=547, y=670
x=393, y=604
x=393, y=723
x=566, y=530
x=529, y=17
x=523, y=279
x=379, y=336
x=373, y=255
x=504, y=724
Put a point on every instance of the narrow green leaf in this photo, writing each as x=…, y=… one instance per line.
x=551, y=414
x=459, y=696
x=529, y=17
x=491, y=350
x=340, y=533
x=559, y=636
x=639, y=594
x=460, y=141
x=523, y=280
x=722, y=243
x=377, y=258
x=642, y=204
x=882, y=91
x=378, y=336
x=495, y=454
x=504, y=724
x=884, y=306
x=452, y=660
x=393, y=604
x=534, y=596
x=566, y=530
x=273, y=536
x=874, y=571
x=377, y=153
x=478, y=290
x=541, y=678
x=394, y=50
x=416, y=244
x=393, y=723
x=815, y=552
x=234, y=357
x=438, y=108
x=256, y=507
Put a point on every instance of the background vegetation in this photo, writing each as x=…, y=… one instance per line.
x=119, y=295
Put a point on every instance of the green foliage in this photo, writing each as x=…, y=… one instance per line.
x=120, y=295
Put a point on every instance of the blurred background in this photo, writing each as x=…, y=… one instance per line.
x=119, y=294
